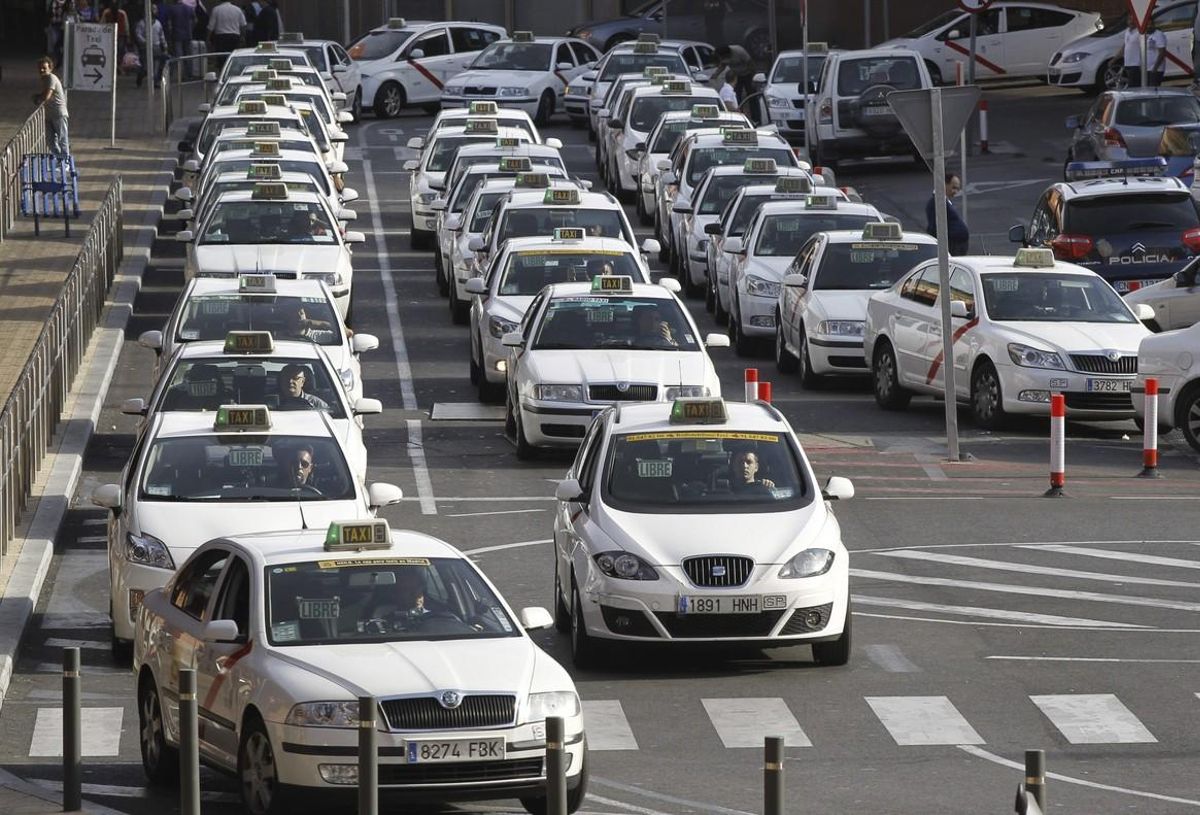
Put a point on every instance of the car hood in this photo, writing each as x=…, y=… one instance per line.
x=1148, y=294
x=250, y=258
x=496, y=77
x=833, y=304
x=1079, y=337
x=509, y=307
x=661, y=367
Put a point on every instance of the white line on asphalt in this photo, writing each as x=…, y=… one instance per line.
x=494, y=512
x=101, y=731
x=670, y=799
x=744, y=722
x=416, y=452
x=1028, y=568
x=630, y=807
x=1010, y=543
x=1151, y=497
x=607, y=726
x=501, y=547
x=1017, y=658
x=890, y=658
x=1093, y=718
x=1066, y=779
x=924, y=498
x=1133, y=557
x=990, y=613
x=1108, y=629
x=923, y=720
x=113, y=791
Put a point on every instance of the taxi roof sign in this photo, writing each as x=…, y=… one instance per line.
x=280, y=64
x=645, y=48
x=263, y=75
x=265, y=148
x=280, y=83
x=267, y=46
x=793, y=184
x=269, y=191
x=255, y=284
x=483, y=108
x=1085, y=170
x=561, y=195
x=648, y=36
x=262, y=129
x=568, y=233
x=481, y=126
x=820, y=202
x=291, y=36
x=264, y=172
x=818, y=48
x=738, y=135
x=515, y=164
x=242, y=417
x=613, y=283
x=886, y=231
x=522, y=36
x=699, y=411
x=654, y=70
x=397, y=22
x=658, y=79
x=274, y=99
x=537, y=180
x=1034, y=257
x=252, y=107
x=677, y=86
x=760, y=165
x=705, y=112
x=358, y=535
x=508, y=141
x=249, y=342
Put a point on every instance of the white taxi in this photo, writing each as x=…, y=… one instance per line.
x=822, y=305
x=235, y=116
x=526, y=72
x=287, y=630
x=584, y=346
x=698, y=520
x=774, y=235
x=1023, y=328
x=631, y=57
x=296, y=92
x=307, y=176
x=241, y=155
x=1176, y=300
x=523, y=268
x=263, y=55
x=259, y=77
x=194, y=476
x=783, y=88
x=1171, y=359
x=340, y=73
x=505, y=117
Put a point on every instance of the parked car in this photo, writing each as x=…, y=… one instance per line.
x=740, y=21
x=1130, y=123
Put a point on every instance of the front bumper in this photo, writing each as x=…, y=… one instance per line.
x=1027, y=391
x=1068, y=75
x=836, y=355
x=423, y=220
x=556, y=424
x=757, y=314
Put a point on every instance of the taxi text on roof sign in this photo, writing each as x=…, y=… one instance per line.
x=396, y=22
x=677, y=86
x=820, y=202
x=1084, y=170
x=269, y=191
x=264, y=172
x=522, y=36
x=538, y=180
x=277, y=99
x=887, y=231
x=1034, y=257
x=242, y=417
x=818, y=48
x=654, y=70
x=266, y=148
x=613, y=283
x=280, y=83
x=262, y=129
x=280, y=64
x=249, y=342
x=515, y=164
x=793, y=184
x=263, y=75
x=648, y=36
x=658, y=79
x=256, y=284
x=291, y=36
x=561, y=195
x=645, y=48
x=738, y=135
x=508, y=141
x=705, y=112
x=252, y=107
x=698, y=411
x=268, y=46
x=568, y=233
x=350, y=535
x=480, y=126
x=483, y=108
x=760, y=165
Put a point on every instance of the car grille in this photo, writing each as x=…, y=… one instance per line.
x=848, y=362
x=797, y=624
x=634, y=393
x=427, y=713
x=1097, y=364
x=478, y=90
x=719, y=625
x=718, y=571
x=798, y=103
x=465, y=773
x=1099, y=401
x=566, y=431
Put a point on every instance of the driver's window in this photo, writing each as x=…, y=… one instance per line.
x=563, y=54
x=962, y=288
x=531, y=316
x=196, y=582
x=956, y=30
x=233, y=601
x=435, y=44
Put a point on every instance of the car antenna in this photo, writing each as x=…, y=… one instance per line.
x=300, y=506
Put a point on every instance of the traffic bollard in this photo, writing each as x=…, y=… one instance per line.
x=773, y=776
x=1058, y=445
x=764, y=392
x=983, y=133
x=72, y=733
x=189, y=745
x=556, y=767
x=751, y=384
x=368, y=757
x=1150, y=431
x=1035, y=776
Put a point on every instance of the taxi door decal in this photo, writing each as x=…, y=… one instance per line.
x=224, y=666
x=425, y=72
x=955, y=337
x=1187, y=69
x=982, y=60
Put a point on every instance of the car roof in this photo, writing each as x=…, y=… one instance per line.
x=650, y=290
x=999, y=263
x=245, y=153
x=174, y=424
x=301, y=349
x=740, y=169
x=231, y=196
x=502, y=131
x=586, y=244
x=308, y=545
x=878, y=52
x=642, y=416
x=697, y=89
x=211, y=286
x=856, y=236
x=587, y=200
x=226, y=111
x=529, y=148
x=1142, y=93
x=710, y=137
x=1130, y=185
x=542, y=40
x=278, y=52
x=799, y=52
x=789, y=208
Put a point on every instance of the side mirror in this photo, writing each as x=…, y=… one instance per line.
x=185, y=214
x=381, y=494
x=640, y=147
x=650, y=246
x=203, y=108
x=716, y=341
x=564, y=66
x=416, y=53
x=338, y=167
x=713, y=228
x=671, y=284
x=348, y=195
x=616, y=124
x=954, y=34
x=681, y=206
x=663, y=165
x=367, y=407
x=477, y=285
x=437, y=185
x=702, y=76
x=453, y=223
x=759, y=79
x=344, y=116
x=553, y=142
x=337, y=96
x=185, y=236
x=604, y=113
x=838, y=488
x=1144, y=312
x=1072, y=123
x=568, y=490
x=590, y=76
x=410, y=165
x=734, y=246
x=151, y=339
x=183, y=194
x=535, y=618
x=959, y=309
x=347, y=215
x=361, y=343
x=211, y=76
x=416, y=143
x=220, y=631
x=134, y=407
x=1016, y=234
x=107, y=496
x=513, y=339
x=668, y=178
x=476, y=244
x=355, y=237
x=795, y=281
x=191, y=166
x=438, y=205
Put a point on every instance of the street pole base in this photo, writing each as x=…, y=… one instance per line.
x=1054, y=492
x=1149, y=472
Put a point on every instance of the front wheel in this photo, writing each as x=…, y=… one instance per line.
x=545, y=108
x=809, y=379
x=257, y=771
x=785, y=360
x=160, y=761
x=1188, y=416
x=585, y=651
x=987, y=406
x=836, y=652
x=389, y=100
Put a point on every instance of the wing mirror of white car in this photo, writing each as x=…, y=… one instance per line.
x=220, y=631
x=604, y=113
x=590, y=76
x=701, y=76
x=1144, y=312
x=134, y=407
x=438, y=204
x=367, y=407
x=348, y=195
x=476, y=244
x=416, y=143
x=681, y=206
x=185, y=214
x=596, y=104
x=336, y=96
x=355, y=237
x=663, y=165
x=553, y=142
x=958, y=309
x=151, y=339
x=669, y=179
x=184, y=236
x=381, y=494
x=650, y=246
x=204, y=107
x=107, y=496
x=838, y=488
x=1016, y=234
x=568, y=490
x=513, y=339
x=211, y=76
x=191, y=166
x=583, y=183
x=713, y=229
x=410, y=165
x=563, y=66
x=535, y=618
x=338, y=167
x=954, y=34
x=477, y=285
x=453, y=223
x=671, y=285
x=795, y=281
x=347, y=215
x=734, y=246
x=339, y=137
x=360, y=343
x=759, y=79
x=715, y=340
x=183, y=194
x=344, y=116
x=416, y=53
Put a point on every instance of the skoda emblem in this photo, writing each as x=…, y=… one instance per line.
x=450, y=698
x=1113, y=356
x=623, y=386
x=718, y=571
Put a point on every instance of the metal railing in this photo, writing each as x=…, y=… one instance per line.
x=185, y=88
x=30, y=138
x=31, y=414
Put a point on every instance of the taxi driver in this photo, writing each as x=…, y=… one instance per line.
x=743, y=473
x=298, y=468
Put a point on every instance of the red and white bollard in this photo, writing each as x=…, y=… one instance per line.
x=1150, y=431
x=752, y=384
x=983, y=134
x=1058, y=445
x=764, y=392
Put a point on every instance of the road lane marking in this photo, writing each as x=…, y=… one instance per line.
x=1018, y=658
x=1028, y=568
x=466, y=411
x=114, y=791
x=1093, y=718
x=990, y=613
x=501, y=547
x=101, y=734
x=630, y=807
x=744, y=722
x=923, y=720
x=85, y=619
x=1027, y=544
x=1149, y=560
x=89, y=645
x=670, y=799
x=890, y=658
x=493, y=512
x=607, y=726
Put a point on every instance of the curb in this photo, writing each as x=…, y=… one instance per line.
x=19, y=785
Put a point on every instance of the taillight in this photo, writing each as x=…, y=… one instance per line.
x=1113, y=138
x=1071, y=247
x=825, y=111
x=1191, y=239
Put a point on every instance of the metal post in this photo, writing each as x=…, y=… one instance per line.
x=973, y=30
x=939, y=206
x=962, y=150
x=773, y=34
x=866, y=24
x=1142, y=45
x=804, y=74
x=148, y=65
x=112, y=137
x=773, y=775
x=1035, y=776
x=556, y=767
x=72, y=732
x=189, y=745
x=346, y=20
x=664, y=20
x=887, y=23
x=447, y=10
x=368, y=757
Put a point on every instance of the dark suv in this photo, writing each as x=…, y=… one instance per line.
x=715, y=21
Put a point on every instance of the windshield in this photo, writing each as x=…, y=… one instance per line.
x=783, y=235
x=791, y=69
x=704, y=471
x=241, y=222
x=514, y=56
x=529, y=221
x=1157, y=111
x=1053, y=298
x=245, y=467
x=521, y=122
x=378, y=44
x=630, y=63
x=465, y=183
x=231, y=90
x=646, y=110
x=526, y=273
x=238, y=63
x=317, y=100
x=936, y=23
x=856, y=75
x=703, y=158
x=212, y=127
x=745, y=211
x=445, y=148
x=312, y=169
x=211, y=317
x=383, y=599
x=315, y=53
x=868, y=265
x=720, y=191
x=1126, y=213
x=315, y=127
x=247, y=143
x=589, y=322
x=280, y=383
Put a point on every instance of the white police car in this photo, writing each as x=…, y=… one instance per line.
x=698, y=520
x=1023, y=328
x=286, y=630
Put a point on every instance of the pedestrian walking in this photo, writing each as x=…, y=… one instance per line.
x=158, y=44
x=1133, y=55
x=267, y=23
x=54, y=100
x=181, y=22
x=739, y=67
x=958, y=236
x=113, y=13
x=226, y=23
x=1156, y=55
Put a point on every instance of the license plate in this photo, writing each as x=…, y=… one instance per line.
x=732, y=604
x=1109, y=385
x=1125, y=286
x=455, y=750
x=876, y=111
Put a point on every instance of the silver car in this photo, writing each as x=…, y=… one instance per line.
x=1129, y=123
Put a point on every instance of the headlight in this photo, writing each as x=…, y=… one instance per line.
x=1078, y=56
x=625, y=566
x=1028, y=357
x=542, y=706
x=149, y=551
x=778, y=102
x=577, y=90
x=809, y=563
x=498, y=326
x=324, y=714
x=328, y=278
x=558, y=393
x=761, y=287
x=452, y=90
x=512, y=92
x=845, y=328
x=686, y=391
x=427, y=197
x=347, y=375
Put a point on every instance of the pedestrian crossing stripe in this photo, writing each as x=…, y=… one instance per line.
x=100, y=732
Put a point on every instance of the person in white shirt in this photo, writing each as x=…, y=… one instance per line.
x=159, y=46
x=728, y=93
x=226, y=22
x=1156, y=55
x=1133, y=55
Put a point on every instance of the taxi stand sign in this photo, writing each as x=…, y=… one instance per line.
x=255, y=284
x=561, y=195
x=1084, y=170
x=568, y=233
x=242, y=417
x=249, y=342
x=482, y=108
x=350, y=536
x=698, y=411
x=886, y=231
x=613, y=284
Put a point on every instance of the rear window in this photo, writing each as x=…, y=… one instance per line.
x=707, y=157
x=719, y=192
x=869, y=264
x=856, y=75
x=1157, y=111
x=636, y=63
x=1098, y=216
x=647, y=110
x=783, y=235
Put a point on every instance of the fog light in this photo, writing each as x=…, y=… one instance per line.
x=763, y=321
x=813, y=619
x=502, y=365
x=1033, y=396
x=338, y=773
x=135, y=602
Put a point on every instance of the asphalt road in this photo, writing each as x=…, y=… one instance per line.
x=988, y=619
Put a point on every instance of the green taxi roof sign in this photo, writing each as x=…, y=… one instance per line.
x=568, y=233
x=760, y=165
x=242, y=417
x=561, y=195
x=705, y=112
x=263, y=75
x=793, y=184
x=658, y=79
x=654, y=70
x=263, y=129
x=482, y=107
x=1034, y=257
x=397, y=22
x=820, y=202
x=252, y=107
x=613, y=284
x=698, y=411
x=534, y=180
x=522, y=36
x=343, y=536
x=481, y=126
x=886, y=231
x=255, y=284
x=506, y=142
x=249, y=342
x=269, y=191
x=265, y=148
x=291, y=36
x=264, y=172
x=677, y=86
x=738, y=135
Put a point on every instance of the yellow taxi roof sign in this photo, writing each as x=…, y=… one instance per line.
x=280, y=64
x=705, y=112
x=505, y=142
x=613, y=283
x=249, y=342
x=568, y=233
x=269, y=191
x=760, y=165
x=818, y=48
x=676, y=86
x=256, y=284
x=262, y=129
x=698, y=411
x=885, y=231
x=483, y=108
x=536, y=180
x=242, y=417
x=264, y=172
x=645, y=48
x=291, y=36
x=280, y=83
x=252, y=107
x=1034, y=257
x=397, y=22
x=265, y=148
x=793, y=184
x=654, y=70
x=820, y=202
x=358, y=535
x=561, y=195
x=738, y=135
x=277, y=99
x=481, y=126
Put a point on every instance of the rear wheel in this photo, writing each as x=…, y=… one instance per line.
x=1187, y=416
x=525, y=450
x=356, y=106
x=390, y=99
x=258, y=772
x=987, y=405
x=808, y=379
x=743, y=345
x=785, y=360
x=585, y=651
x=160, y=761
x=644, y=218
x=889, y=394
x=545, y=108
x=562, y=614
